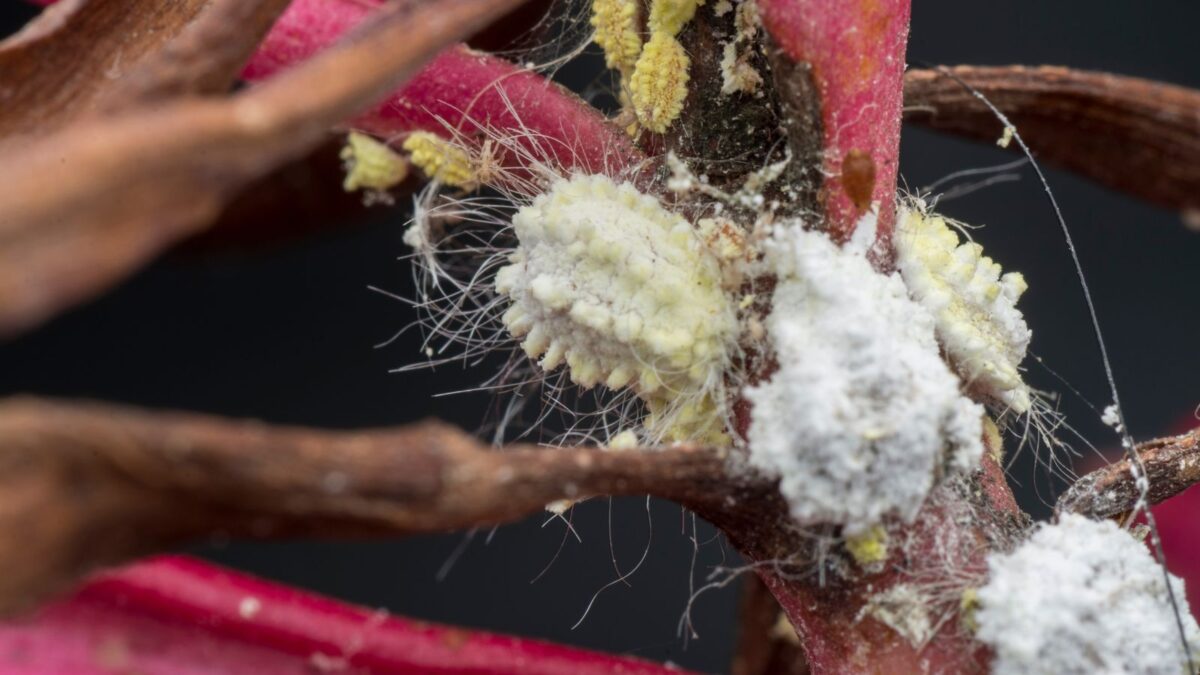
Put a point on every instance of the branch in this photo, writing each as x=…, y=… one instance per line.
x=205, y=58
x=1130, y=134
x=79, y=58
x=107, y=483
x=849, y=57
x=461, y=89
x=1172, y=466
x=962, y=520
x=58, y=66
x=84, y=207
x=173, y=615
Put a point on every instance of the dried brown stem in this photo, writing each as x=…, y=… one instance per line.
x=55, y=70
x=104, y=483
x=1130, y=134
x=83, y=208
x=1172, y=466
x=205, y=58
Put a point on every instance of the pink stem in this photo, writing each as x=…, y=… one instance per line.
x=839, y=637
x=463, y=89
x=180, y=616
x=856, y=51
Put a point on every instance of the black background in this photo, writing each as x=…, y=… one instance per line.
x=287, y=336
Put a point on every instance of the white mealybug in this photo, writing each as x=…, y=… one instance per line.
x=978, y=323
x=862, y=414
x=626, y=294
x=1082, y=596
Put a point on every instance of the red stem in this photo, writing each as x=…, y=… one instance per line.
x=461, y=88
x=856, y=52
x=944, y=548
x=179, y=616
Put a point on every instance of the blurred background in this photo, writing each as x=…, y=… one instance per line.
x=287, y=333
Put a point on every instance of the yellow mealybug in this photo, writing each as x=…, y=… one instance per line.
x=440, y=159
x=626, y=440
x=968, y=605
x=616, y=24
x=659, y=83
x=626, y=294
x=370, y=164
x=870, y=548
x=974, y=307
x=669, y=16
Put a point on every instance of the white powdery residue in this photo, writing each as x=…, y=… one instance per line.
x=862, y=411
x=904, y=609
x=1111, y=417
x=1082, y=596
x=737, y=73
x=249, y=607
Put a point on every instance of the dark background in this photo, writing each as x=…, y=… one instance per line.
x=287, y=335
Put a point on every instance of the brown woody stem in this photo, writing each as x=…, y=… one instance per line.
x=1172, y=465
x=205, y=58
x=105, y=483
x=1130, y=134
x=62, y=63
x=139, y=182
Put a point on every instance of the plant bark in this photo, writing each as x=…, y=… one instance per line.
x=1172, y=465
x=1127, y=133
x=108, y=483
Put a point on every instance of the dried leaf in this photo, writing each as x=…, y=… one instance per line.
x=86, y=206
